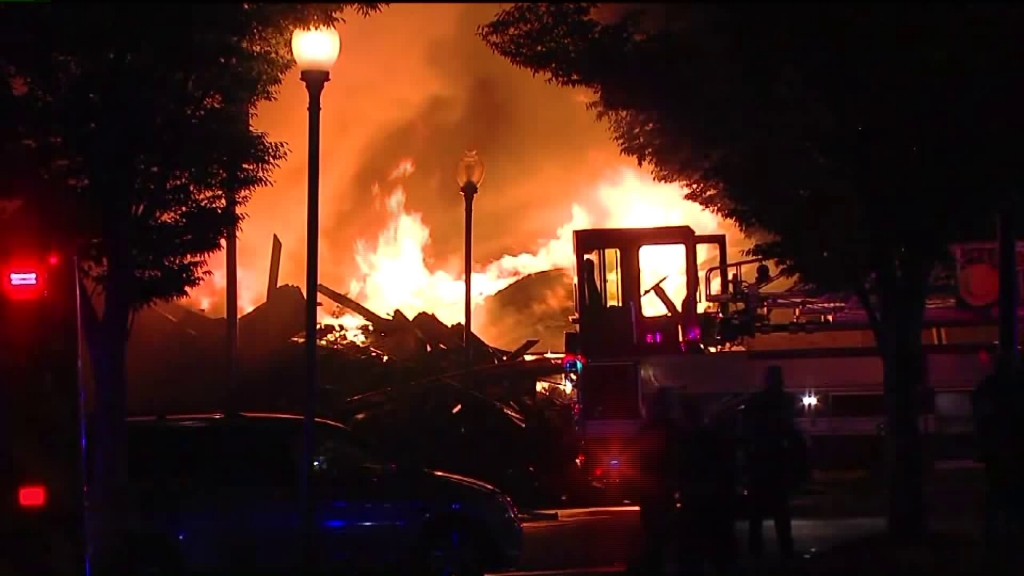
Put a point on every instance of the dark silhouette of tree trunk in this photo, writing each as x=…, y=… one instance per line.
x=132, y=122
x=897, y=319
x=107, y=351
x=106, y=335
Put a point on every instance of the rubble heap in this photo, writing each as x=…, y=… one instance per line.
x=423, y=338
x=404, y=383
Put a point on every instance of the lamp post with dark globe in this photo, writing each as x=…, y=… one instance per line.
x=469, y=176
x=315, y=50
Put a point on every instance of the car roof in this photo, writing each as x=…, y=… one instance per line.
x=235, y=418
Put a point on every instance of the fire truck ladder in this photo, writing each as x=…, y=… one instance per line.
x=814, y=310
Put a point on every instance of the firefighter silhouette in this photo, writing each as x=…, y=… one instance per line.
x=657, y=444
x=997, y=412
x=776, y=455
x=706, y=488
x=591, y=289
x=763, y=275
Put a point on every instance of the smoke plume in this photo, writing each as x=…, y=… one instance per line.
x=415, y=82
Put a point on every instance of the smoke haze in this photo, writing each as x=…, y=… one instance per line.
x=415, y=82
x=414, y=87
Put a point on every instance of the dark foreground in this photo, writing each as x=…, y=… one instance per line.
x=839, y=531
x=603, y=540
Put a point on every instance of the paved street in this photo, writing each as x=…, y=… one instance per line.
x=601, y=540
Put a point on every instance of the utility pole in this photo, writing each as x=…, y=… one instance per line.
x=231, y=267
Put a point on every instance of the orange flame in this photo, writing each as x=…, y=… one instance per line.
x=395, y=273
x=396, y=276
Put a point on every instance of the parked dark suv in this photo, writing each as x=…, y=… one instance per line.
x=219, y=494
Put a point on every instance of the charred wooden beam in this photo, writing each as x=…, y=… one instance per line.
x=521, y=350
x=379, y=322
x=481, y=349
x=275, y=266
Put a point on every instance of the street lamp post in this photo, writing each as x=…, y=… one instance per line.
x=469, y=176
x=315, y=52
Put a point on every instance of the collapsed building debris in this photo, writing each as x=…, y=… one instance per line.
x=423, y=338
x=402, y=382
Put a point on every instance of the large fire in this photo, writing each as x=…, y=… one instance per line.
x=395, y=270
x=440, y=92
x=396, y=274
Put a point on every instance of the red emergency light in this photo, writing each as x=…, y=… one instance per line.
x=32, y=496
x=23, y=283
x=25, y=279
x=573, y=363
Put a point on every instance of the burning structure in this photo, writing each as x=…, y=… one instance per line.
x=401, y=381
x=397, y=136
x=391, y=213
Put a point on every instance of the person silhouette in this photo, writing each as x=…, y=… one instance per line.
x=770, y=438
x=591, y=290
x=997, y=428
x=657, y=446
x=707, y=485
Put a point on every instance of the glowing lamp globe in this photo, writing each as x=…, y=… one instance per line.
x=316, y=49
x=471, y=170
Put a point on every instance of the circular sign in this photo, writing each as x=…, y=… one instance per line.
x=979, y=284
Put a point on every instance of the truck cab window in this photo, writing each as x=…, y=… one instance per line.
x=601, y=279
x=662, y=279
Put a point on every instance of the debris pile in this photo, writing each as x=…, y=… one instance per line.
x=423, y=340
x=403, y=383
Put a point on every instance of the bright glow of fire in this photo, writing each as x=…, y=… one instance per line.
x=249, y=296
x=395, y=274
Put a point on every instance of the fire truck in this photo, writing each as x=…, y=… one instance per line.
x=41, y=446
x=664, y=309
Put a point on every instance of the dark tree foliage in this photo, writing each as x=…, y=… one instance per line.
x=142, y=115
x=855, y=141
x=131, y=125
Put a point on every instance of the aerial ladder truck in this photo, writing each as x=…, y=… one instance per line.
x=664, y=308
